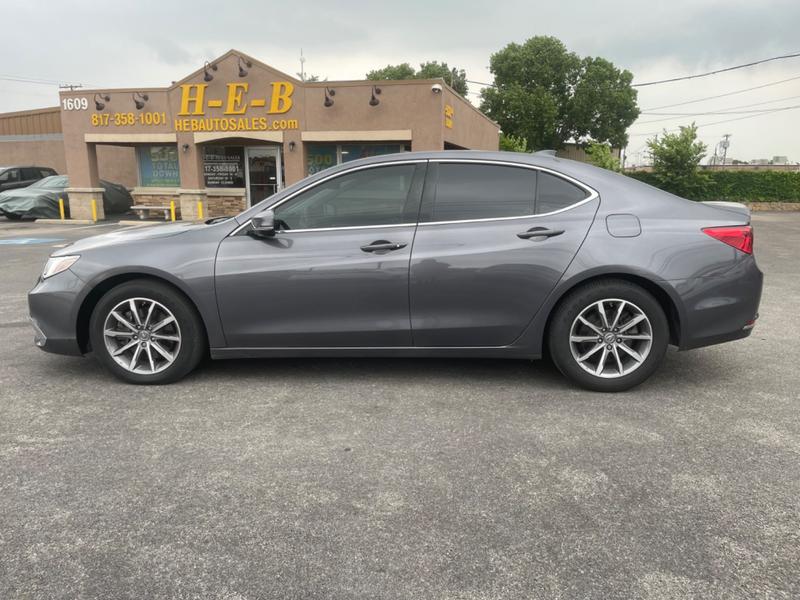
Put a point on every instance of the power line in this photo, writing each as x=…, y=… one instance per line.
x=728, y=111
x=725, y=70
x=758, y=87
x=34, y=80
x=761, y=114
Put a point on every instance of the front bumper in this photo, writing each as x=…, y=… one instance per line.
x=53, y=306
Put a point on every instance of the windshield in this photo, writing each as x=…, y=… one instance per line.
x=51, y=183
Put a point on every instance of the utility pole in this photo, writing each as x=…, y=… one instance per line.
x=70, y=86
x=725, y=143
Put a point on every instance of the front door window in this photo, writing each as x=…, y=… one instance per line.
x=263, y=173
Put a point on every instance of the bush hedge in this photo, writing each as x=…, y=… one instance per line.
x=744, y=186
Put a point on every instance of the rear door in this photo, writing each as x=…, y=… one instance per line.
x=30, y=175
x=493, y=241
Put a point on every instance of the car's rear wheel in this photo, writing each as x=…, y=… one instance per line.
x=145, y=332
x=608, y=335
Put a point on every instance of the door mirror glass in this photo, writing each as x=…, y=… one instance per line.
x=263, y=224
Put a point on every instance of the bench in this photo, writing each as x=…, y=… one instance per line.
x=142, y=210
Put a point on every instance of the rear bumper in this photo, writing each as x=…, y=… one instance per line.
x=720, y=309
x=52, y=304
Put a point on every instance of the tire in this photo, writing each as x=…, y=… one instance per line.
x=167, y=351
x=632, y=348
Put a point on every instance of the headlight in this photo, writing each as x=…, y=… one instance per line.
x=57, y=264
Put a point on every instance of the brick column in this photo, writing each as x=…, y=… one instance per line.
x=80, y=203
x=189, y=200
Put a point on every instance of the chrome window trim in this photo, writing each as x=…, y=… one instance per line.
x=593, y=194
x=333, y=176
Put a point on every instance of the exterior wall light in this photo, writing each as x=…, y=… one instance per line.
x=329, y=97
x=291, y=146
x=206, y=75
x=139, y=99
x=243, y=62
x=100, y=104
x=185, y=147
x=376, y=91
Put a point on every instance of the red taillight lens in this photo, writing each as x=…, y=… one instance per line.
x=738, y=236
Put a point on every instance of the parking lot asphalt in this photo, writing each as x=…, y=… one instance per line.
x=399, y=478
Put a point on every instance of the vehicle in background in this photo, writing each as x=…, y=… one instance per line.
x=441, y=254
x=12, y=178
x=40, y=200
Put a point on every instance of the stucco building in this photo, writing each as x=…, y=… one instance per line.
x=232, y=133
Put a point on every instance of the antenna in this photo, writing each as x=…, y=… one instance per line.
x=70, y=86
x=302, y=66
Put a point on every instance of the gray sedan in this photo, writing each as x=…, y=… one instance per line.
x=454, y=253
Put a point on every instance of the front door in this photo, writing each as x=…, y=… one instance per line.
x=492, y=242
x=335, y=274
x=263, y=173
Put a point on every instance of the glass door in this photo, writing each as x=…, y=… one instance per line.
x=263, y=172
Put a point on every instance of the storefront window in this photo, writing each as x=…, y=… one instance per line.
x=322, y=156
x=223, y=166
x=158, y=166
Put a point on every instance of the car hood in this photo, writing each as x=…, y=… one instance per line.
x=128, y=235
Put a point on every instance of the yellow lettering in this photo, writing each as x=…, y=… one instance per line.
x=187, y=98
x=235, y=106
x=281, y=97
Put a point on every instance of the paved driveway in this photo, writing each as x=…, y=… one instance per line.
x=402, y=478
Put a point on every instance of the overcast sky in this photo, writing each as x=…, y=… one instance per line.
x=148, y=43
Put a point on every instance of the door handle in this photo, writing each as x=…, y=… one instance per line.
x=542, y=232
x=383, y=246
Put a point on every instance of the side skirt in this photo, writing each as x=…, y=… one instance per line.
x=462, y=352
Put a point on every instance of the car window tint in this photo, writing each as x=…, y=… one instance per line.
x=478, y=191
x=9, y=176
x=555, y=193
x=368, y=197
x=30, y=174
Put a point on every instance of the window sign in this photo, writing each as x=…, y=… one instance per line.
x=223, y=166
x=158, y=166
x=322, y=156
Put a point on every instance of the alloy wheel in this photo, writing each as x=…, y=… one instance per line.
x=611, y=338
x=142, y=336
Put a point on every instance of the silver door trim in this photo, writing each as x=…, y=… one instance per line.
x=593, y=194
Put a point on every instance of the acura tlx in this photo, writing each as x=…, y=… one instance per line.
x=468, y=254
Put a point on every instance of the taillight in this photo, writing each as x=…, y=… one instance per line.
x=738, y=236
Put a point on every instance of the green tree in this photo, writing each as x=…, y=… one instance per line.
x=600, y=155
x=676, y=157
x=455, y=78
x=549, y=95
x=513, y=143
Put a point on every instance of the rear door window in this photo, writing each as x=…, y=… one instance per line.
x=469, y=191
x=31, y=174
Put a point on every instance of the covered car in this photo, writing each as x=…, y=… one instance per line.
x=40, y=200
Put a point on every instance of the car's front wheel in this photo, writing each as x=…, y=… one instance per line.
x=146, y=332
x=608, y=335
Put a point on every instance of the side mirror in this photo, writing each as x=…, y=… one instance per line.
x=263, y=224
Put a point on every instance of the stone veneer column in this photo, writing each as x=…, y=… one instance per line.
x=80, y=203
x=189, y=200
